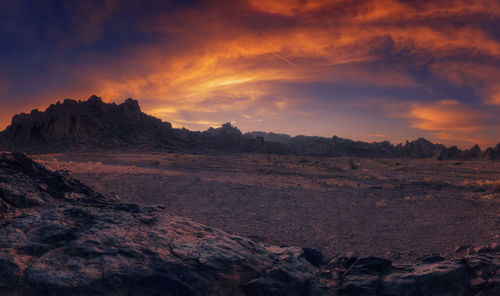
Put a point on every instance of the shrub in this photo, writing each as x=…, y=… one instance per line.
x=353, y=163
x=496, y=186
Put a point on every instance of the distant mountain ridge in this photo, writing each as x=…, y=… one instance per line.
x=93, y=125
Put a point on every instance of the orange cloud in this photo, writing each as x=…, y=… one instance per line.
x=236, y=62
x=246, y=57
x=446, y=115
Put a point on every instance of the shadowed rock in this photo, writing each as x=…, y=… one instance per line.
x=58, y=237
x=86, y=125
x=492, y=153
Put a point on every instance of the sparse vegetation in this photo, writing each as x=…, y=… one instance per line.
x=339, y=183
x=251, y=188
x=496, y=186
x=374, y=177
x=477, y=183
x=353, y=163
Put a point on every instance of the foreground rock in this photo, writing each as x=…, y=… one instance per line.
x=58, y=237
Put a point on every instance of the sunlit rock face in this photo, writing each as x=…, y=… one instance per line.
x=86, y=125
x=58, y=237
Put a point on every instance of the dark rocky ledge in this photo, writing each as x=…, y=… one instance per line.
x=58, y=237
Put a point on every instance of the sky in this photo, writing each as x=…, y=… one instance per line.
x=367, y=70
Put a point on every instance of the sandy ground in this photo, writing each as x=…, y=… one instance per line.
x=397, y=208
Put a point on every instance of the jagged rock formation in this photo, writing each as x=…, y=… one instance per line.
x=58, y=237
x=228, y=137
x=457, y=154
x=492, y=153
x=473, y=153
x=94, y=125
x=336, y=146
x=420, y=148
x=283, y=139
x=86, y=125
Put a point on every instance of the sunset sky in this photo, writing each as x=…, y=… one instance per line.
x=367, y=70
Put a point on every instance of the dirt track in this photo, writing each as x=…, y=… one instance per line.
x=403, y=209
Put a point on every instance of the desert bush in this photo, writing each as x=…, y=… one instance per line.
x=496, y=186
x=348, y=184
x=339, y=183
x=155, y=162
x=482, y=184
x=353, y=163
x=372, y=177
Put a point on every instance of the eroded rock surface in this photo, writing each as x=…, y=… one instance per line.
x=58, y=237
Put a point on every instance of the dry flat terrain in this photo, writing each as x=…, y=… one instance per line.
x=397, y=208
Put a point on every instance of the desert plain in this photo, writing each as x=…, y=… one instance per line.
x=404, y=209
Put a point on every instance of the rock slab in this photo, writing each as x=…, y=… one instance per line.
x=59, y=237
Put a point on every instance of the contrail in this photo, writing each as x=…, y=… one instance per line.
x=282, y=58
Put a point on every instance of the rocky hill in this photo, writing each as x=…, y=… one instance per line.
x=283, y=139
x=94, y=125
x=58, y=237
x=86, y=125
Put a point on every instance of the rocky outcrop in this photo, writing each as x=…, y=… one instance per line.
x=336, y=146
x=450, y=153
x=473, y=153
x=477, y=274
x=86, y=125
x=453, y=153
x=492, y=153
x=94, y=125
x=420, y=148
x=58, y=237
x=283, y=139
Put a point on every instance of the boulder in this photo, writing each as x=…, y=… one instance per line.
x=59, y=237
x=65, y=239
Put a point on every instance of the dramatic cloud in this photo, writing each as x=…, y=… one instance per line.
x=371, y=70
